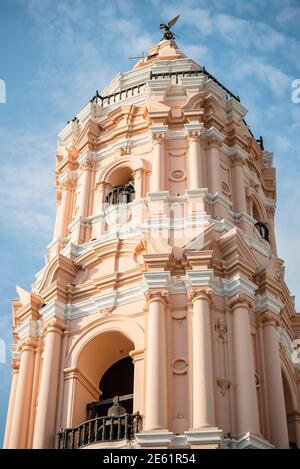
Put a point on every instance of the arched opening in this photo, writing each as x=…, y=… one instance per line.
x=122, y=187
x=291, y=414
x=102, y=385
x=117, y=381
x=260, y=225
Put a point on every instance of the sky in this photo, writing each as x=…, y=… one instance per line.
x=54, y=54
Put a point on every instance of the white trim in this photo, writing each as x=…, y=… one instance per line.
x=54, y=308
x=268, y=302
x=199, y=277
x=205, y=436
x=236, y=284
x=156, y=279
x=248, y=441
x=154, y=438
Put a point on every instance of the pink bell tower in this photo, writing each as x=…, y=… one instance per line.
x=161, y=318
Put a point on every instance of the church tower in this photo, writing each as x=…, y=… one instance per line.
x=161, y=317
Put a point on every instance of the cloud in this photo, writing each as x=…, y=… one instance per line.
x=273, y=77
x=27, y=183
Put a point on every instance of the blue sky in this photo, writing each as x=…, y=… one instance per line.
x=55, y=54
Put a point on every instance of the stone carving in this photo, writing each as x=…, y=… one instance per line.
x=87, y=164
x=156, y=294
x=224, y=384
x=270, y=318
x=106, y=311
x=221, y=329
x=180, y=366
x=204, y=292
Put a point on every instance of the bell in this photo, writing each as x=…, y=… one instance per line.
x=116, y=409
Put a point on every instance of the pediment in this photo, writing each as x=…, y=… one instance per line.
x=157, y=110
x=88, y=135
x=60, y=269
x=236, y=252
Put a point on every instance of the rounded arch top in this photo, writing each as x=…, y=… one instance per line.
x=132, y=331
x=132, y=162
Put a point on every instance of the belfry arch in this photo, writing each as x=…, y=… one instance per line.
x=91, y=358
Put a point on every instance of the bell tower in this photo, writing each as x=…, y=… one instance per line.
x=161, y=317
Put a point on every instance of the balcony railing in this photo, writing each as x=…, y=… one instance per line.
x=100, y=429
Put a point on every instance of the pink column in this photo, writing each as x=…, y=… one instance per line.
x=247, y=417
x=239, y=195
x=138, y=183
x=273, y=379
x=15, y=372
x=158, y=162
x=63, y=213
x=156, y=379
x=203, y=386
x=86, y=168
x=44, y=429
x=195, y=163
x=21, y=410
x=214, y=159
x=99, y=197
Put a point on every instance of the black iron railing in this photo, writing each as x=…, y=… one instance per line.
x=98, y=430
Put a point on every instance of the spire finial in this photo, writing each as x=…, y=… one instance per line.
x=166, y=28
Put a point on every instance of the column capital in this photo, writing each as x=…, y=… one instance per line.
x=240, y=299
x=28, y=344
x=58, y=197
x=213, y=141
x=158, y=132
x=66, y=185
x=53, y=325
x=270, y=319
x=15, y=366
x=157, y=295
x=204, y=293
x=86, y=164
x=237, y=160
x=194, y=131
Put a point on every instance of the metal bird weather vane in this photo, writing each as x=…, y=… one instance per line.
x=166, y=28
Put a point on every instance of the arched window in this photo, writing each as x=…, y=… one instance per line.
x=261, y=226
x=122, y=183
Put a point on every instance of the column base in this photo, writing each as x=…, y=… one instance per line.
x=154, y=439
x=247, y=441
x=206, y=438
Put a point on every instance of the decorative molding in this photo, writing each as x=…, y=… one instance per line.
x=179, y=366
x=268, y=302
x=240, y=299
x=54, y=324
x=224, y=384
x=158, y=132
x=205, y=436
x=156, y=295
x=154, y=439
x=221, y=328
x=247, y=441
x=198, y=278
x=269, y=318
x=29, y=343
x=204, y=293
x=234, y=285
x=194, y=131
x=86, y=164
x=104, y=312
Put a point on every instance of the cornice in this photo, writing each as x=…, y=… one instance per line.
x=268, y=302
x=28, y=328
x=238, y=284
x=197, y=278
